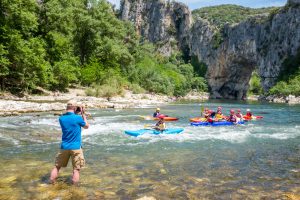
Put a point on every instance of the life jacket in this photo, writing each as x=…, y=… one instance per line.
x=219, y=116
x=232, y=118
x=239, y=115
x=249, y=114
x=156, y=114
x=161, y=125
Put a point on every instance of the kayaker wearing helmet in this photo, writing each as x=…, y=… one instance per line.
x=206, y=113
x=160, y=125
x=219, y=115
x=232, y=117
x=249, y=113
x=239, y=115
x=157, y=113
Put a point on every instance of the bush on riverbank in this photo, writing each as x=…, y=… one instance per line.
x=289, y=78
x=52, y=44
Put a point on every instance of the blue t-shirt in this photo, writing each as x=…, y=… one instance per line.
x=71, y=130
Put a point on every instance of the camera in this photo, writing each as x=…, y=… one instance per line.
x=78, y=110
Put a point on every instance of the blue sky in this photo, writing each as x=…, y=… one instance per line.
x=193, y=4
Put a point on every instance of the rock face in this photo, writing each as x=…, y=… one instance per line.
x=159, y=21
x=262, y=42
x=293, y=2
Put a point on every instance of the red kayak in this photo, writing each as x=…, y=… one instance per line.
x=253, y=117
x=168, y=118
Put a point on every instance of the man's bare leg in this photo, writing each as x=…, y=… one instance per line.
x=54, y=174
x=75, y=178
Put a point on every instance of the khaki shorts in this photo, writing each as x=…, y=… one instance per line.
x=62, y=158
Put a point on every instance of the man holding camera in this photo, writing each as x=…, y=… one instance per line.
x=71, y=141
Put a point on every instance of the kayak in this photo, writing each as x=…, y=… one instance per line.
x=155, y=132
x=253, y=117
x=156, y=118
x=197, y=119
x=224, y=123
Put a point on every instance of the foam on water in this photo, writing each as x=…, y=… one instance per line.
x=9, y=139
x=107, y=126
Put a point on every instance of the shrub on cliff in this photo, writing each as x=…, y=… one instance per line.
x=255, y=85
x=231, y=14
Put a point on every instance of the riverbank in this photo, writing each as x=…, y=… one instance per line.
x=12, y=105
x=290, y=99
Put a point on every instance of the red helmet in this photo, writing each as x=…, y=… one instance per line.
x=210, y=111
x=231, y=111
x=239, y=110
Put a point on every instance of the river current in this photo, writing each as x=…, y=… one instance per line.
x=258, y=160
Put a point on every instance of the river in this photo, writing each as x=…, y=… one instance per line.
x=260, y=159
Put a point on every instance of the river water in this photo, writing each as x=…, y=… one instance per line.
x=260, y=160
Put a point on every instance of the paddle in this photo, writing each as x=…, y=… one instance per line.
x=146, y=117
x=149, y=126
x=202, y=109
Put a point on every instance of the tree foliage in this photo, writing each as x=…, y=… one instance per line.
x=55, y=43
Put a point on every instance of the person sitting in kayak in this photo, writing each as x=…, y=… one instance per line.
x=219, y=115
x=232, y=117
x=157, y=112
x=208, y=115
x=249, y=114
x=160, y=125
x=239, y=115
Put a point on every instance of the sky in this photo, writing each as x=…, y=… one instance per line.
x=194, y=4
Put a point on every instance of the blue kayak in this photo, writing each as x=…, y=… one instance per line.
x=224, y=123
x=152, y=131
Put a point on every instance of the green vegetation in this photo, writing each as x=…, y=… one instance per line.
x=228, y=14
x=231, y=14
x=289, y=78
x=55, y=43
x=255, y=86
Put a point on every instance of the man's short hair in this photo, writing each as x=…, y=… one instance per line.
x=71, y=104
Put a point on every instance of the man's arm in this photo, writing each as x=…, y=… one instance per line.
x=87, y=125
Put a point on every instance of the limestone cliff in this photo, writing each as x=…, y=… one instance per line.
x=262, y=42
x=160, y=22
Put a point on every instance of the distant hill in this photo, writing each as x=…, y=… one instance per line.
x=219, y=15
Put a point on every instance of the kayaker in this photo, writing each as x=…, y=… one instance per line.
x=71, y=125
x=232, y=117
x=239, y=115
x=157, y=112
x=208, y=115
x=219, y=115
x=160, y=125
x=249, y=113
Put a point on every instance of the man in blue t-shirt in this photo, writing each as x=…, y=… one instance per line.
x=71, y=141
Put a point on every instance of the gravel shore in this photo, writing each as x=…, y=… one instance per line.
x=12, y=105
